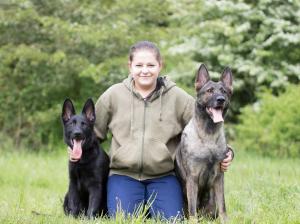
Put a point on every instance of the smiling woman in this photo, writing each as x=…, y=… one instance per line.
x=144, y=65
x=145, y=114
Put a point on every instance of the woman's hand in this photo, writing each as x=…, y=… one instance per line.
x=227, y=161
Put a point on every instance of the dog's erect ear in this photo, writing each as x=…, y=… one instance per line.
x=227, y=78
x=89, y=110
x=68, y=110
x=202, y=77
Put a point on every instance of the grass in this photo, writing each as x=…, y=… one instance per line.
x=257, y=190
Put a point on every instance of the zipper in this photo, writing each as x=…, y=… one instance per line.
x=143, y=135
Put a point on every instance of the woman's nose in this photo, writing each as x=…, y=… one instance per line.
x=144, y=69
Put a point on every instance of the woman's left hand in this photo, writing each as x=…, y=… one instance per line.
x=227, y=161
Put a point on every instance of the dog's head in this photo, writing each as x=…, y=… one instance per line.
x=78, y=129
x=213, y=97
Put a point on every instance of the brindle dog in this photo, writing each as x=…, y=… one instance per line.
x=203, y=147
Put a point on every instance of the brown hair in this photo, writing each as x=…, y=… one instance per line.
x=144, y=45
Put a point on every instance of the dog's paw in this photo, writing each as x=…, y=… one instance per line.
x=193, y=219
x=224, y=218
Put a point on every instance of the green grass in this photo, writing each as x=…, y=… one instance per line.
x=257, y=190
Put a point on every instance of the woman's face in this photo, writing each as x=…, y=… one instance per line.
x=144, y=69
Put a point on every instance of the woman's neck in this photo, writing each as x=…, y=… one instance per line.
x=144, y=92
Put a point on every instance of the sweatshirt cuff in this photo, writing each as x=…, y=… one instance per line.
x=230, y=148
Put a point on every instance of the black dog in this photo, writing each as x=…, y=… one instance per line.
x=203, y=147
x=88, y=176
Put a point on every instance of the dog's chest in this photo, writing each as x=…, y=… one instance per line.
x=203, y=153
x=204, y=147
x=83, y=175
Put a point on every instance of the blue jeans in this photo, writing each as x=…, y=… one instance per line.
x=126, y=193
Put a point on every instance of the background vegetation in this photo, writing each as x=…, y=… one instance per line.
x=271, y=127
x=50, y=50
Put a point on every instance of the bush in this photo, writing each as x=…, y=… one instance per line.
x=271, y=127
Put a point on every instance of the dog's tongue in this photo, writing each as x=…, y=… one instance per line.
x=216, y=115
x=77, y=150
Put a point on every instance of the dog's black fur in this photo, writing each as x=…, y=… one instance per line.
x=203, y=147
x=88, y=176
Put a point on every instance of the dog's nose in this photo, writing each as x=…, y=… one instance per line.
x=220, y=99
x=77, y=134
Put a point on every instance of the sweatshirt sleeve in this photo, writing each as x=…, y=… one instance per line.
x=103, y=115
x=188, y=110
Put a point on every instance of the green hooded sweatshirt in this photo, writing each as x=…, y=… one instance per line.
x=145, y=132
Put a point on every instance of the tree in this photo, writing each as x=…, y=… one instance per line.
x=50, y=50
x=259, y=40
x=58, y=49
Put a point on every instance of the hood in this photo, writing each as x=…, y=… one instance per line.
x=164, y=84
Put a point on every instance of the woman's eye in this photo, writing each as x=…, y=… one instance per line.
x=151, y=66
x=138, y=65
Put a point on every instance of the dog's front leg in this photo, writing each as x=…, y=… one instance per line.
x=219, y=195
x=192, y=195
x=73, y=200
x=95, y=197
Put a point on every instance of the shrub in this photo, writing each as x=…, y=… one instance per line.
x=271, y=127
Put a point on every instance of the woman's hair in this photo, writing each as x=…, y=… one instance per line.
x=144, y=45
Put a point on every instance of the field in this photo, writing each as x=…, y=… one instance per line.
x=258, y=190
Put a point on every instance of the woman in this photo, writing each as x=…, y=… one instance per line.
x=146, y=114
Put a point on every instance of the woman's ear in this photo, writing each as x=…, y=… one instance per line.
x=129, y=64
x=161, y=65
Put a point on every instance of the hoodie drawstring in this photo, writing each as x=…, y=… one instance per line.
x=160, y=101
x=131, y=109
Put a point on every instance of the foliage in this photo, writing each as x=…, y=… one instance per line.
x=50, y=50
x=257, y=190
x=271, y=126
x=53, y=50
x=259, y=40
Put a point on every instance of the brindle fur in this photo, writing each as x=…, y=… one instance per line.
x=203, y=147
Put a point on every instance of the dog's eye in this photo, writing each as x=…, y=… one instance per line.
x=82, y=123
x=211, y=90
x=223, y=91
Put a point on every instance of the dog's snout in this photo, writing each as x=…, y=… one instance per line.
x=77, y=134
x=220, y=99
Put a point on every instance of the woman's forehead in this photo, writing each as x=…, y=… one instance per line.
x=144, y=54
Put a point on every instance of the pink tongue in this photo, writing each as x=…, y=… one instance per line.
x=216, y=115
x=77, y=150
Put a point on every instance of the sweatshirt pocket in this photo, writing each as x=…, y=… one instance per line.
x=157, y=159
x=125, y=157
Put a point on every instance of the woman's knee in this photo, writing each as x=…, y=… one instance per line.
x=124, y=194
x=167, y=197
